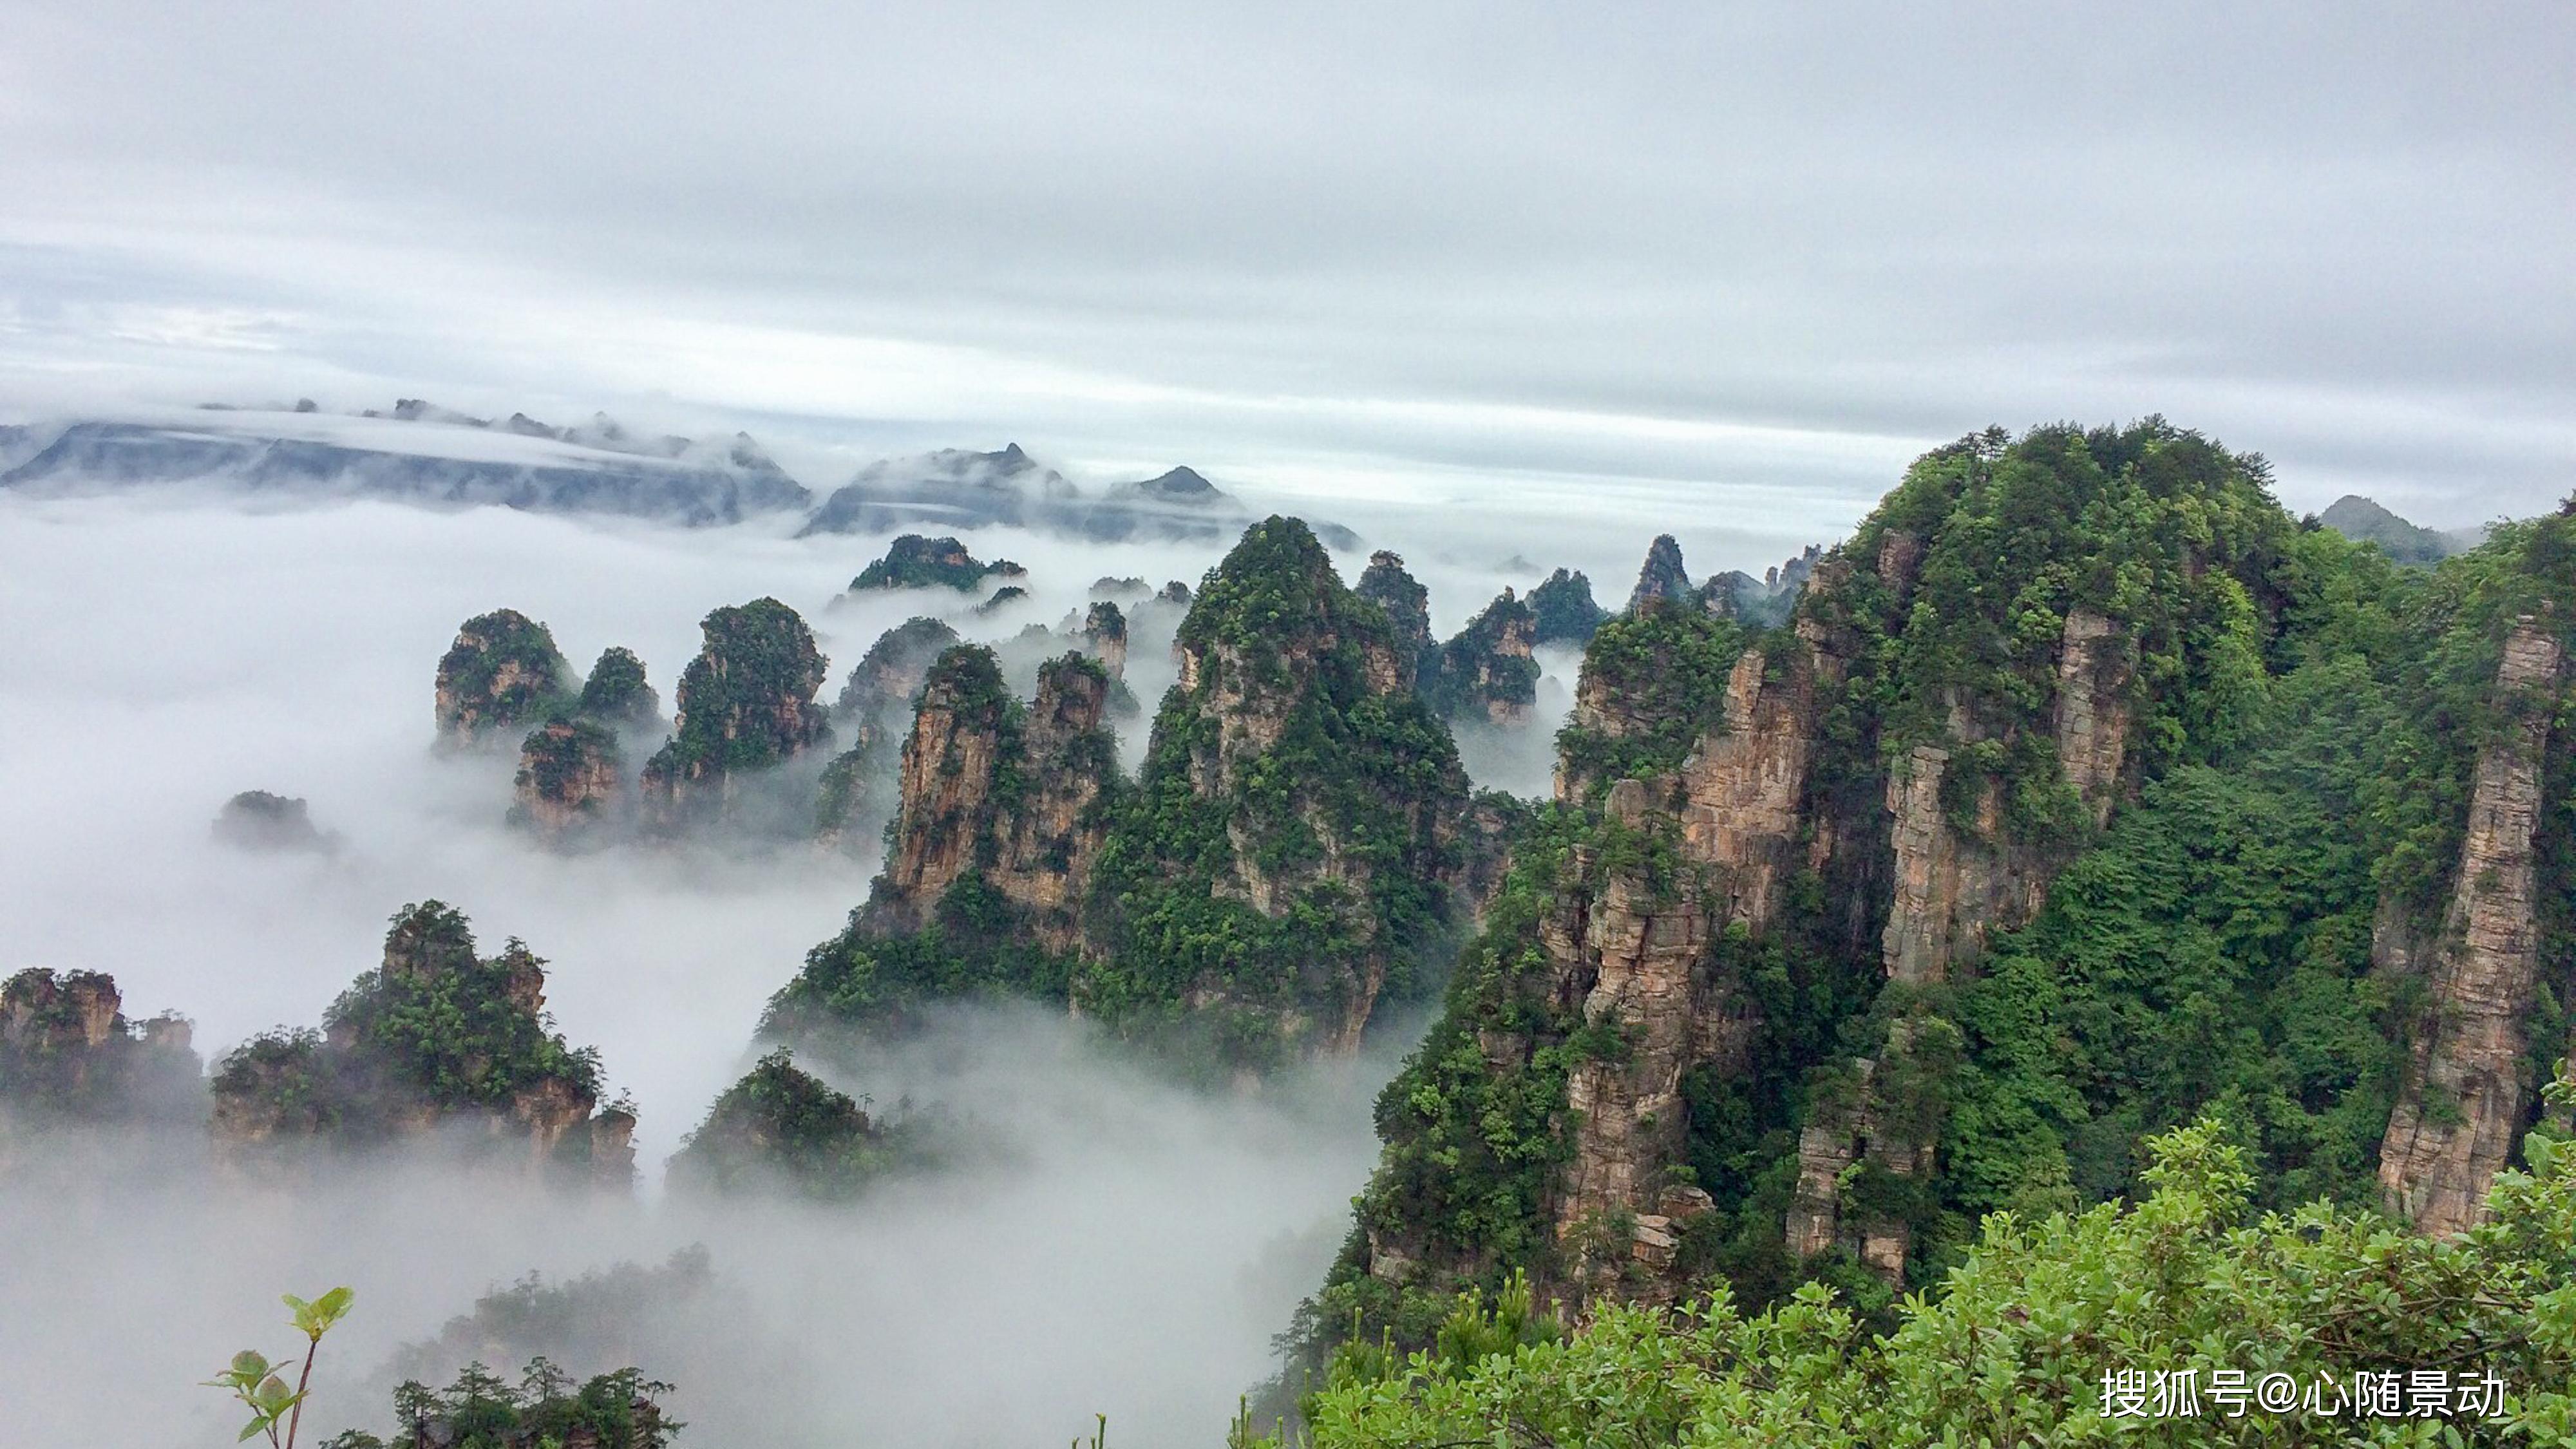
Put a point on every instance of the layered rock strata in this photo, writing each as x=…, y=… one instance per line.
x=2468, y=1084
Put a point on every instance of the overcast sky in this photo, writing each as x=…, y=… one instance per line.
x=1743, y=257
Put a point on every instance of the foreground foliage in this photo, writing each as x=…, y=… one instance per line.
x=2031, y=1338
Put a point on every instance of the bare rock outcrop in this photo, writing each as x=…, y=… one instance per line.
x=2468, y=1084
x=1009, y=791
x=571, y=784
x=1960, y=881
x=1634, y=952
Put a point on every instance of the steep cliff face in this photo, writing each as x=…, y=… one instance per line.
x=855, y=795
x=1104, y=636
x=746, y=705
x=1407, y=603
x=67, y=1051
x=502, y=674
x=1961, y=881
x=1769, y=844
x=1010, y=793
x=2469, y=1083
x=571, y=784
x=1634, y=951
x=436, y=1035
x=1286, y=857
x=1487, y=673
x=1661, y=579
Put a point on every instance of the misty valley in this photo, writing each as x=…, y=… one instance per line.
x=983, y=955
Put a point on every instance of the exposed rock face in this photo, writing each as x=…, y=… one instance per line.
x=67, y=1051
x=2094, y=664
x=617, y=695
x=875, y=708
x=1662, y=579
x=434, y=1035
x=1637, y=958
x=1406, y=602
x=258, y=820
x=746, y=704
x=571, y=782
x=1956, y=888
x=1104, y=637
x=1487, y=672
x=1744, y=789
x=2468, y=1085
x=1010, y=792
x=502, y=673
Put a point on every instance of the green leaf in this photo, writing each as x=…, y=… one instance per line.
x=253, y=1427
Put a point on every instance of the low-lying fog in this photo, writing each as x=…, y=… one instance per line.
x=1128, y=1248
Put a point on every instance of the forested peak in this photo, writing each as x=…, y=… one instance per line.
x=505, y=631
x=1274, y=590
x=428, y=938
x=1968, y=578
x=965, y=677
x=763, y=627
x=617, y=690
x=1386, y=579
x=1563, y=609
x=503, y=670
x=1661, y=578
x=915, y=562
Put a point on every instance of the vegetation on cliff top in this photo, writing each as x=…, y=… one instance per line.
x=1563, y=609
x=503, y=671
x=746, y=702
x=435, y=1030
x=1345, y=804
x=780, y=1127
x=617, y=694
x=2053, y=1329
x=915, y=562
x=1293, y=768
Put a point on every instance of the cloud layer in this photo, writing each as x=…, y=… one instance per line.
x=1718, y=255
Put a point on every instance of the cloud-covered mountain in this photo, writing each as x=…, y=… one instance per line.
x=953, y=489
x=417, y=453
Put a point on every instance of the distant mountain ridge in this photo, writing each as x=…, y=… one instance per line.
x=954, y=488
x=422, y=453
x=2365, y=521
x=419, y=453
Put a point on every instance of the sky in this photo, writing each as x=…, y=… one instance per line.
x=1717, y=257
